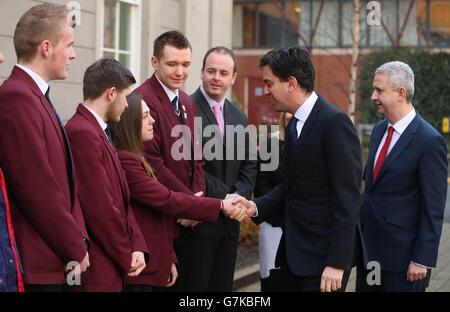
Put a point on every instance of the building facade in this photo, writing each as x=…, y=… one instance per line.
x=125, y=30
x=325, y=28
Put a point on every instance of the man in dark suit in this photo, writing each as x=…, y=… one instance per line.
x=35, y=155
x=117, y=245
x=320, y=195
x=211, y=248
x=405, y=188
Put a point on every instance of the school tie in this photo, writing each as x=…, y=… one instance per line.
x=217, y=115
x=108, y=134
x=383, y=153
x=66, y=140
x=176, y=108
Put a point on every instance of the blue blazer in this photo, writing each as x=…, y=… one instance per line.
x=10, y=266
x=320, y=199
x=402, y=211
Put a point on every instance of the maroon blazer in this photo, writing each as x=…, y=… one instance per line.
x=156, y=208
x=46, y=214
x=104, y=198
x=178, y=175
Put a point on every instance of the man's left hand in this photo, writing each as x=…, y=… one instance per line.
x=416, y=272
x=331, y=279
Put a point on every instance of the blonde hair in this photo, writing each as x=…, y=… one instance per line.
x=42, y=22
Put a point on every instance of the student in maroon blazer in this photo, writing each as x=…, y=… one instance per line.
x=172, y=107
x=155, y=206
x=117, y=246
x=35, y=156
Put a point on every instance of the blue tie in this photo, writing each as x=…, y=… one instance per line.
x=292, y=134
x=176, y=108
x=108, y=134
x=69, y=154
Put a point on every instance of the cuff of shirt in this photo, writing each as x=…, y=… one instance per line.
x=256, y=209
x=424, y=266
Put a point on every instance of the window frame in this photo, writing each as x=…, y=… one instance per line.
x=134, y=52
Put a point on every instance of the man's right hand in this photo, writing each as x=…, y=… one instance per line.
x=85, y=263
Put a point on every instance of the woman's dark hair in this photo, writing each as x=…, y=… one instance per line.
x=127, y=133
x=291, y=62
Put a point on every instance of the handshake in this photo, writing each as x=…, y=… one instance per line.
x=234, y=207
x=237, y=208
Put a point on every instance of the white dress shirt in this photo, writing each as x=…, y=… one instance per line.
x=304, y=111
x=212, y=103
x=100, y=121
x=170, y=94
x=399, y=128
x=43, y=86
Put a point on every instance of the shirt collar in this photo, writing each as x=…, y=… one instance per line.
x=43, y=86
x=169, y=92
x=211, y=101
x=100, y=121
x=305, y=109
x=403, y=123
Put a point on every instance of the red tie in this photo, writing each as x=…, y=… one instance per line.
x=383, y=153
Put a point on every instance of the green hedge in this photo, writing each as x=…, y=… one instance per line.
x=431, y=88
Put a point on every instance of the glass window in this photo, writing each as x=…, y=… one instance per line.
x=259, y=23
x=117, y=30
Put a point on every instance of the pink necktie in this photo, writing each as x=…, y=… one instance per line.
x=217, y=114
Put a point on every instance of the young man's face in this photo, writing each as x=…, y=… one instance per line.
x=276, y=90
x=217, y=76
x=61, y=55
x=118, y=105
x=173, y=67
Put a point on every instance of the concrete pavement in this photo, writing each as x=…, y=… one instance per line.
x=440, y=276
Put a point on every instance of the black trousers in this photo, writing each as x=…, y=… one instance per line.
x=205, y=263
x=389, y=282
x=295, y=283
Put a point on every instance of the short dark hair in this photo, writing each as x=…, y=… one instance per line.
x=104, y=74
x=291, y=62
x=221, y=50
x=173, y=38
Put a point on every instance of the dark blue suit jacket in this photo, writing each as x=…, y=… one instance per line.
x=320, y=200
x=402, y=212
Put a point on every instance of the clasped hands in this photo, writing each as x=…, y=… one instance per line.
x=238, y=208
x=234, y=207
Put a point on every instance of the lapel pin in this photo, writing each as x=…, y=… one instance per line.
x=183, y=107
x=185, y=115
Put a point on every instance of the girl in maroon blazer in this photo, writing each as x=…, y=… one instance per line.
x=156, y=208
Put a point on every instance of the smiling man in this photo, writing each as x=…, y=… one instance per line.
x=171, y=107
x=210, y=256
x=405, y=190
x=320, y=196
